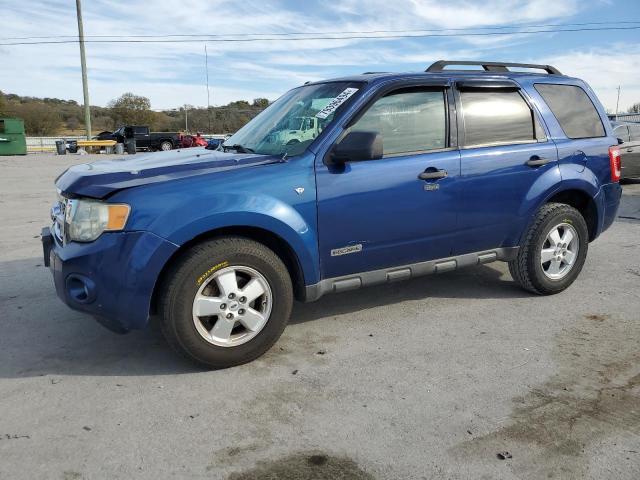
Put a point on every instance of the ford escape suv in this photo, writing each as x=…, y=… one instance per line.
x=404, y=175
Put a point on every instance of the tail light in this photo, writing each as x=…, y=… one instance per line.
x=615, y=162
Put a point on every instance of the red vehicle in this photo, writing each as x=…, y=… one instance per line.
x=188, y=141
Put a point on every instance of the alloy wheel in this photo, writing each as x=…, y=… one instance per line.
x=232, y=306
x=559, y=251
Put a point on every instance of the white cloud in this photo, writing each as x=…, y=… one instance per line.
x=172, y=74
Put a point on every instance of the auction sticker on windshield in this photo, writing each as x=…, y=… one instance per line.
x=336, y=102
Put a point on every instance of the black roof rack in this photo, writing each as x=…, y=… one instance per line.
x=440, y=65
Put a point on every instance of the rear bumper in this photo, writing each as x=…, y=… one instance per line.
x=112, y=278
x=609, y=199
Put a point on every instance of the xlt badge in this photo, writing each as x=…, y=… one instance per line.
x=336, y=252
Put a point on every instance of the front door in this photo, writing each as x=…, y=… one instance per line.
x=142, y=136
x=381, y=213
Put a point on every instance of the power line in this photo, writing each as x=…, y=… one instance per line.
x=336, y=37
x=360, y=32
x=328, y=33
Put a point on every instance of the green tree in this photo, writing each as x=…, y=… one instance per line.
x=239, y=104
x=635, y=108
x=2, y=104
x=260, y=103
x=130, y=109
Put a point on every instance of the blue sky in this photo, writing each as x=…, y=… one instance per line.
x=172, y=74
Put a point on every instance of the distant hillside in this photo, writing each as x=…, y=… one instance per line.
x=54, y=116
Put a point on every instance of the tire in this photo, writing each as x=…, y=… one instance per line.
x=528, y=270
x=166, y=146
x=201, y=268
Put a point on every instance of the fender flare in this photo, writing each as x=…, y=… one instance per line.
x=273, y=216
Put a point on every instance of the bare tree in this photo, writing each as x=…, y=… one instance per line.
x=39, y=119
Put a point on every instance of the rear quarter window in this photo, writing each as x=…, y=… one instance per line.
x=635, y=133
x=574, y=110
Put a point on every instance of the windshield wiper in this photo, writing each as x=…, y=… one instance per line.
x=238, y=148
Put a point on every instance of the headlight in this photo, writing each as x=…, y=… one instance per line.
x=87, y=219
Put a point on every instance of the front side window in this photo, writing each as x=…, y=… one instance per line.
x=411, y=120
x=574, y=110
x=291, y=123
x=495, y=117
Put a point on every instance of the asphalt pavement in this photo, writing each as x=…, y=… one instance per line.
x=461, y=375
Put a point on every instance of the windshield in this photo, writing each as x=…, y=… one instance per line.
x=291, y=123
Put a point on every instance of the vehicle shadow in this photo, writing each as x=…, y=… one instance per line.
x=486, y=281
x=42, y=336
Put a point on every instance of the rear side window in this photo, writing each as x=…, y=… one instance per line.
x=494, y=117
x=140, y=130
x=574, y=110
x=621, y=132
x=635, y=133
x=408, y=120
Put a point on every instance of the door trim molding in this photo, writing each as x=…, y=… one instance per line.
x=405, y=272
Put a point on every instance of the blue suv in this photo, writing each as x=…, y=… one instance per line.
x=340, y=184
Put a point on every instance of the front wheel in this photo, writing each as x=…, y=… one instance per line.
x=553, y=251
x=225, y=302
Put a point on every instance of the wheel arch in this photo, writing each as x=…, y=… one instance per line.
x=584, y=203
x=275, y=242
x=582, y=195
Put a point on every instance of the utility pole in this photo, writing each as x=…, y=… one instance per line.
x=618, y=102
x=186, y=119
x=206, y=66
x=83, y=65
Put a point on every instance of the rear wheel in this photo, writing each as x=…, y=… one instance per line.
x=226, y=302
x=165, y=146
x=553, y=252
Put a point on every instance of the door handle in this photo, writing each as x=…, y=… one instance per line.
x=433, y=174
x=629, y=150
x=537, y=161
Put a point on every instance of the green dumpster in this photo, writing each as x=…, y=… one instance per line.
x=12, y=138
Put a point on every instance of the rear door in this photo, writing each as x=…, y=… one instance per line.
x=504, y=152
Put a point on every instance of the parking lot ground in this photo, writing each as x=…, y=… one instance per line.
x=437, y=377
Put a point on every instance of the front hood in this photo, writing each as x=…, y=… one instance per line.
x=103, y=177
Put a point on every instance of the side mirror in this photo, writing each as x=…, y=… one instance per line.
x=357, y=146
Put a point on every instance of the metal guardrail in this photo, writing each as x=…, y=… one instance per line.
x=47, y=144
x=624, y=117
